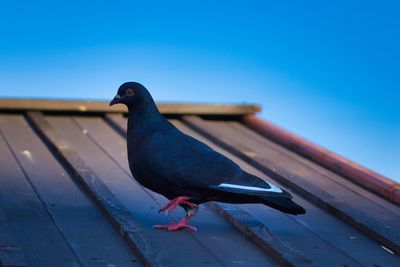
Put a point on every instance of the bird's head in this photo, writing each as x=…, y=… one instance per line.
x=130, y=94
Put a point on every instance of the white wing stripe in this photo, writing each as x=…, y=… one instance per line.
x=253, y=188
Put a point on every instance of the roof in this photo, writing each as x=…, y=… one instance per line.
x=67, y=197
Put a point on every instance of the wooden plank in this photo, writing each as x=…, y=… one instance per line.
x=323, y=171
x=311, y=234
x=122, y=219
x=364, y=177
x=297, y=235
x=72, y=211
x=353, y=208
x=12, y=256
x=35, y=240
x=181, y=248
x=103, y=106
x=215, y=233
x=118, y=123
x=258, y=232
x=11, y=253
x=282, y=254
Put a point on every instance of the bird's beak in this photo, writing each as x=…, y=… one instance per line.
x=115, y=100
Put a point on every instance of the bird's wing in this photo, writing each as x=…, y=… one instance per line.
x=187, y=162
x=183, y=160
x=251, y=185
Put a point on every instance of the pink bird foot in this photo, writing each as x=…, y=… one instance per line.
x=183, y=223
x=171, y=205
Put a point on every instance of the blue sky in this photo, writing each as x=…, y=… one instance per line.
x=326, y=70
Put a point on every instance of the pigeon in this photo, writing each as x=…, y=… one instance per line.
x=184, y=170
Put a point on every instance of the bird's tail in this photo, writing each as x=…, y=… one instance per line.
x=284, y=204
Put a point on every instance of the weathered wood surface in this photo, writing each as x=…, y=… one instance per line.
x=318, y=235
x=187, y=250
x=103, y=106
x=95, y=155
x=261, y=235
x=364, y=177
x=11, y=252
x=214, y=233
x=281, y=253
x=89, y=234
x=123, y=220
x=34, y=238
x=323, y=171
x=371, y=218
x=311, y=235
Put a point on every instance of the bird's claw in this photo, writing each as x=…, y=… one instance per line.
x=167, y=210
x=171, y=206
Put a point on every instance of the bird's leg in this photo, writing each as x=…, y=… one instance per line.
x=172, y=204
x=192, y=210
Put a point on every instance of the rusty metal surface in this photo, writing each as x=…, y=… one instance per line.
x=345, y=224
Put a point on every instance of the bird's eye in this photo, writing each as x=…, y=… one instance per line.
x=129, y=92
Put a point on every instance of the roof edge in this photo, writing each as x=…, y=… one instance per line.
x=367, y=178
x=102, y=106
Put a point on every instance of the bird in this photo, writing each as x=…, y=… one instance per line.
x=184, y=170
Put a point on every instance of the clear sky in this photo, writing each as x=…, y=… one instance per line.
x=326, y=70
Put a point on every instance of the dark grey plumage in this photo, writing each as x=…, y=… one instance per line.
x=171, y=163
